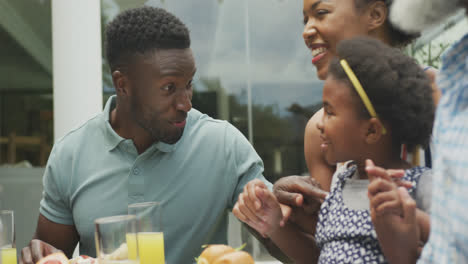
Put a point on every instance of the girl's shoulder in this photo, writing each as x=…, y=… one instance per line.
x=416, y=172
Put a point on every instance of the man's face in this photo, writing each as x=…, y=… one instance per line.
x=161, y=92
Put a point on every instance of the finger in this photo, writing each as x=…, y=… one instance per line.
x=312, y=190
x=26, y=256
x=374, y=172
x=251, y=193
x=266, y=197
x=288, y=198
x=378, y=186
x=390, y=207
x=396, y=173
x=237, y=213
x=244, y=209
x=383, y=197
x=409, y=206
x=370, y=165
x=286, y=211
x=405, y=184
x=36, y=250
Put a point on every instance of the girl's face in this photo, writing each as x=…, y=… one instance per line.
x=326, y=23
x=342, y=130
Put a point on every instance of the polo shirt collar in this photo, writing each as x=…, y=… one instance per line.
x=113, y=139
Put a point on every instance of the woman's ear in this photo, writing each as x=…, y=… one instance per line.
x=377, y=14
x=375, y=130
x=120, y=83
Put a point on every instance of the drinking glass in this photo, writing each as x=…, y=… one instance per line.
x=149, y=231
x=116, y=240
x=7, y=239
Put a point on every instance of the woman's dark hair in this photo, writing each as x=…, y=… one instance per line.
x=398, y=88
x=141, y=30
x=398, y=38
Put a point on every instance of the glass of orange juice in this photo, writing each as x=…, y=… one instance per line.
x=150, y=232
x=114, y=236
x=7, y=240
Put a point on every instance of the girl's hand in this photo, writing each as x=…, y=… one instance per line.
x=258, y=208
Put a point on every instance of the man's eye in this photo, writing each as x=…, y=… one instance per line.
x=169, y=87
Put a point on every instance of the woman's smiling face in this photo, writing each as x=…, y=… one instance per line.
x=326, y=23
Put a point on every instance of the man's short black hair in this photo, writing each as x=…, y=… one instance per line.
x=141, y=30
x=398, y=88
x=398, y=38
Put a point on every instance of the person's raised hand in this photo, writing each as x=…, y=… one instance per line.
x=398, y=234
x=36, y=250
x=254, y=207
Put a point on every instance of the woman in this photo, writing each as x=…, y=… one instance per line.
x=326, y=23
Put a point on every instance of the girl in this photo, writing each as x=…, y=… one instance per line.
x=375, y=99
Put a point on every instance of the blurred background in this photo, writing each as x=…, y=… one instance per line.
x=252, y=70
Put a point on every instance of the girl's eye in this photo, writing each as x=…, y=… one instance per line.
x=305, y=20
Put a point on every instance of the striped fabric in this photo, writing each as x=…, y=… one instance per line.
x=448, y=241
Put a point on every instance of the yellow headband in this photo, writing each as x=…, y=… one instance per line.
x=357, y=85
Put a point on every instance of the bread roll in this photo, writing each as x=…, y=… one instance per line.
x=237, y=257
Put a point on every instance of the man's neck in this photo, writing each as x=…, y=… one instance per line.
x=125, y=127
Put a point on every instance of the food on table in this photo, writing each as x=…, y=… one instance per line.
x=237, y=257
x=223, y=254
x=60, y=258
x=83, y=259
x=54, y=258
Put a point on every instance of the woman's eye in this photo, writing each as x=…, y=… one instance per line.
x=321, y=12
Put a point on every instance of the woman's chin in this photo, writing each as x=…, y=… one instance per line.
x=322, y=72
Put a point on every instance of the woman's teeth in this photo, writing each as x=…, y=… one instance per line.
x=317, y=51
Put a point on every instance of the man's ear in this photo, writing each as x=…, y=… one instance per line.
x=374, y=130
x=377, y=14
x=121, y=83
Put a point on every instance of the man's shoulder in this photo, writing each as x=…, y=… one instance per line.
x=203, y=122
x=204, y=126
x=199, y=118
x=86, y=131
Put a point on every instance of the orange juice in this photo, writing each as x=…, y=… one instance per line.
x=150, y=247
x=9, y=256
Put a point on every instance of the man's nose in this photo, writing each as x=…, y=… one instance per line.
x=184, y=101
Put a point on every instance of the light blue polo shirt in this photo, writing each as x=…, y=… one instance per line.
x=92, y=172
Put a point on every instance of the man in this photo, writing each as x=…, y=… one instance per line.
x=398, y=231
x=147, y=145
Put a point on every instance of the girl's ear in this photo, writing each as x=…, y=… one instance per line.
x=374, y=131
x=377, y=14
x=121, y=83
